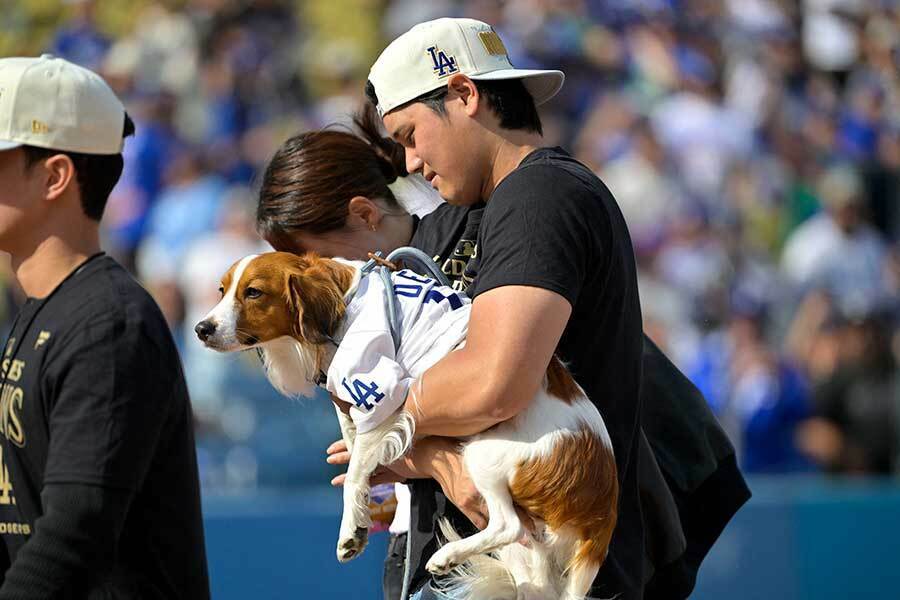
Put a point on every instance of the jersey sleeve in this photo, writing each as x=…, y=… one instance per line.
x=541, y=228
x=365, y=371
x=113, y=390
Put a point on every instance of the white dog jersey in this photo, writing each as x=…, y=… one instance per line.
x=366, y=371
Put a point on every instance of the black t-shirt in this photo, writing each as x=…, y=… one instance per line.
x=95, y=395
x=689, y=483
x=551, y=223
x=450, y=236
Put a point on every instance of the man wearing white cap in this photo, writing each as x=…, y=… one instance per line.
x=552, y=270
x=99, y=493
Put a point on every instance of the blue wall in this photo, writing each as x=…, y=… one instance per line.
x=273, y=546
x=809, y=538
x=796, y=539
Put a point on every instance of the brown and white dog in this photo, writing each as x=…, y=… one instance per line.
x=555, y=459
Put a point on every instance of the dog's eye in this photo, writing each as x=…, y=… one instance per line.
x=221, y=292
x=250, y=293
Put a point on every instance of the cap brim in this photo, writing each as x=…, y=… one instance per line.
x=541, y=84
x=4, y=145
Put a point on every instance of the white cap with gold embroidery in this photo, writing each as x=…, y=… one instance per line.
x=51, y=103
x=421, y=60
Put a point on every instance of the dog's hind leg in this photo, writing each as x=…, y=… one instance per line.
x=534, y=570
x=504, y=526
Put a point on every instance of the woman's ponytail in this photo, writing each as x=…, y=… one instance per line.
x=390, y=153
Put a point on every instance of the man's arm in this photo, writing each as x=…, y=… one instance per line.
x=513, y=332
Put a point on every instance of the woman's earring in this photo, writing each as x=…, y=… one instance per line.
x=373, y=227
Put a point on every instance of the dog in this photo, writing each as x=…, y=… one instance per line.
x=320, y=321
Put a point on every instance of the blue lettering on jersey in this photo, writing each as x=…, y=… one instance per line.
x=442, y=64
x=435, y=296
x=410, y=291
x=413, y=277
x=414, y=290
x=361, y=392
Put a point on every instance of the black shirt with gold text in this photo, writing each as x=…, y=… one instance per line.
x=95, y=396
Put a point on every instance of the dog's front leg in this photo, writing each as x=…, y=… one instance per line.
x=355, y=521
x=348, y=429
x=381, y=446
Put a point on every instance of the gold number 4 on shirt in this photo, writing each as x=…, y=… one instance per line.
x=6, y=495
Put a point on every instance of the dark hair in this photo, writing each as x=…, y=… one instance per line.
x=95, y=174
x=509, y=99
x=308, y=183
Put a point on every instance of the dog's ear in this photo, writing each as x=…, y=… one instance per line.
x=316, y=294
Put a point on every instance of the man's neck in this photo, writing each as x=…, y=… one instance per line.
x=50, y=262
x=509, y=153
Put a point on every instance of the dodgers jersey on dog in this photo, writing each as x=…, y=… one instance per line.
x=366, y=371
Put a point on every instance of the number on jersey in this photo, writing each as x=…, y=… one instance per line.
x=6, y=496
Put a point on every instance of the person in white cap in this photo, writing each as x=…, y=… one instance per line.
x=551, y=271
x=99, y=490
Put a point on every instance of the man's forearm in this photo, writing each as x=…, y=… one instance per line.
x=456, y=397
x=73, y=542
x=426, y=458
x=513, y=332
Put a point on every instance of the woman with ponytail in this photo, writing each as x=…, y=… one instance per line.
x=341, y=194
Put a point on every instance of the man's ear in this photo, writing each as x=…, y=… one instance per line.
x=59, y=174
x=364, y=213
x=461, y=87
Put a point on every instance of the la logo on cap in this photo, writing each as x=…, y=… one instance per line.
x=443, y=65
x=450, y=47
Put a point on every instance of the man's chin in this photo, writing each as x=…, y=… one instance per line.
x=457, y=201
x=458, y=196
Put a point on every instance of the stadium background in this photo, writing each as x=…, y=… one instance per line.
x=754, y=146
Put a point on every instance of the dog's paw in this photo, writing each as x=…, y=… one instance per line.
x=349, y=547
x=442, y=562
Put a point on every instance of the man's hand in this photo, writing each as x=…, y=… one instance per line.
x=450, y=472
x=338, y=455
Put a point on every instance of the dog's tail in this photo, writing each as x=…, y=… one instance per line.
x=583, y=568
x=482, y=577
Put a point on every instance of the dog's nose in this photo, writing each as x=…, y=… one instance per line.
x=205, y=329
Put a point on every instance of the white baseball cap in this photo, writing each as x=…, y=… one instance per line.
x=51, y=103
x=421, y=60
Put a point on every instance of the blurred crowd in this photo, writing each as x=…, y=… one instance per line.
x=753, y=146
